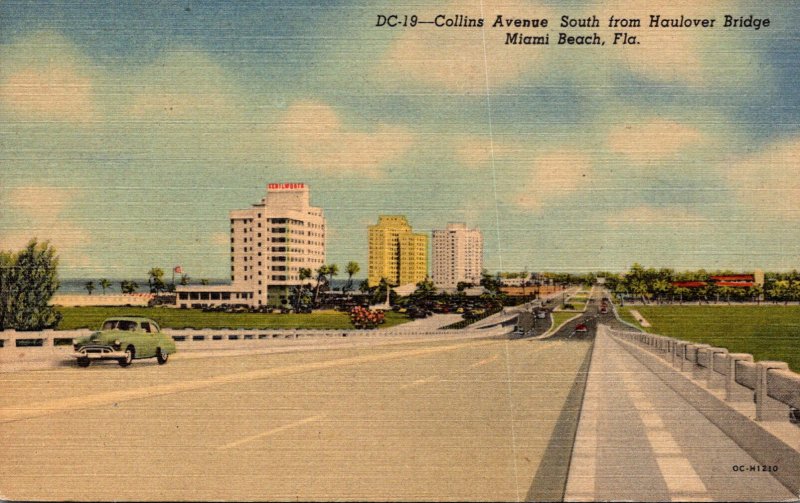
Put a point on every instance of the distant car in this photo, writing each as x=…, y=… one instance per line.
x=124, y=339
x=604, y=310
x=581, y=328
x=541, y=314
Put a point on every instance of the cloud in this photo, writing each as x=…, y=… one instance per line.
x=663, y=54
x=475, y=151
x=186, y=84
x=665, y=217
x=462, y=59
x=43, y=77
x=42, y=212
x=314, y=137
x=768, y=181
x=653, y=140
x=556, y=175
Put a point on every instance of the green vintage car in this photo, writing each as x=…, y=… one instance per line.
x=124, y=339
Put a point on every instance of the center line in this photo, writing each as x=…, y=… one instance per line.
x=272, y=431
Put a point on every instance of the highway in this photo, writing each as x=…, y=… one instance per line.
x=478, y=417
x=468, y=419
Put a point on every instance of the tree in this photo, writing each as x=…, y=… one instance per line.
x=155, y=280
x=104, y=283
x=128, y=286
x=204, y=281
x=490, y=282
x=184, y=279
x=28, y=280
x=425, y=290
x=89, y=286
x=304, y=273
x=351, y=270
x=333, y=270
x=322, y=275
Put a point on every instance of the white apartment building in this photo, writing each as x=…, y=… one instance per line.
x=457, y=256
x=270, y=242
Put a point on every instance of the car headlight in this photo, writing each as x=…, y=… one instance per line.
x=117, y=343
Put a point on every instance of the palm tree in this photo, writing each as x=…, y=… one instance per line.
x=322, y=274
x=89, y=286
x=184, y=279
x=204, y=281
x=333, y=270
x=304, y=273
x=104, y=283
x=351, y=269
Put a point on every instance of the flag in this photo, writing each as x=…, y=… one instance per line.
x=178, y=270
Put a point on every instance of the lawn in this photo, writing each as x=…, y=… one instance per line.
x=578, y=306
x=560, y=317
x=92, y=317
x=767, y=332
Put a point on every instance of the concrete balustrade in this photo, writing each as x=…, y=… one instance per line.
x=696, y=369
x=19, y=348
x=735, y=392
x=767, y=408
x=774, y=388
x=705, y=362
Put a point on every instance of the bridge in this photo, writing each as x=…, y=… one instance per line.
x=411, y=414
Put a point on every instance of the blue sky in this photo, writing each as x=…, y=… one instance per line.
x=128, y=130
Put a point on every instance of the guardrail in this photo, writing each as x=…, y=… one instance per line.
x=48, y=338
x=770, y=384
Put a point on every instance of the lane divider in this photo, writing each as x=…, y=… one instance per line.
x=272, y=431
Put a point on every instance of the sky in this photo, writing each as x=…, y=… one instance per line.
x=129, y=130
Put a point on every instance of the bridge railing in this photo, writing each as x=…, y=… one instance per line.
x=21, y=347
x=770, y=384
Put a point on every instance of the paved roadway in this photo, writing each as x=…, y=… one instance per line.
x=467, y=419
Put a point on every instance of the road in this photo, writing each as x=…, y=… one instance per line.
x=472, y=419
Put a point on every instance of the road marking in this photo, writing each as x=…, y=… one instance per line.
x=484, y=361
x=420, y=381
x=272, y=431
x=15, y=413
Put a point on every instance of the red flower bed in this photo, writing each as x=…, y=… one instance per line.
x=365, y=318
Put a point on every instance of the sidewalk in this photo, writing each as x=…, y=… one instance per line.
x=639, y=440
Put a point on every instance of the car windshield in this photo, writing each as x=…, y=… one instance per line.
x=120, y=325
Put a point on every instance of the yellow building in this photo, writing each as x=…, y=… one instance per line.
x=396, y=253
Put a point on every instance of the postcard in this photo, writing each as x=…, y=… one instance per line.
x=465, y=250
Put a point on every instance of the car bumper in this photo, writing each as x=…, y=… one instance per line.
x=99, y=355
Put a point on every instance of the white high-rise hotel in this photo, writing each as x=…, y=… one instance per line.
x=457, y=255
x=270, y=242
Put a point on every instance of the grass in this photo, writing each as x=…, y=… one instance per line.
x=577, y=306
x=766, y=332
x=578, y=298
x=560, y=317
x=92, y=317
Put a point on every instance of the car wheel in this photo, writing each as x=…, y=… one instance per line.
x=126, y=360
x=84, y=362
x=161, y=356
